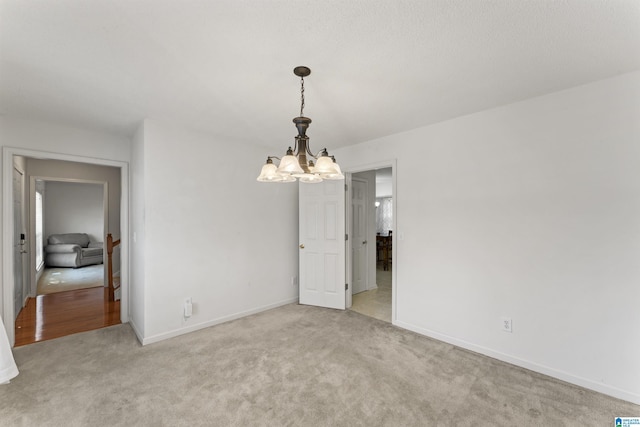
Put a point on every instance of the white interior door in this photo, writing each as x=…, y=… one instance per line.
x=322, y=244
x=18, y=243
x=359, y=231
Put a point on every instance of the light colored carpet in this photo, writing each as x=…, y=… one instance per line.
x=291, y=366
x=58, y=279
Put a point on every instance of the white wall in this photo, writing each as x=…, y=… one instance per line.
x=530, y=211
x=137, y=238
x=52, y=138
x=211, y=232
x=62, y=142
x=73, y=207
x=384, y=187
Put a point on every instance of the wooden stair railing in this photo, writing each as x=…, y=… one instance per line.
x=110, y=245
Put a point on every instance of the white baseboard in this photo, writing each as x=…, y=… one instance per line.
x=198, y=326
x=546, y=370
x=136, y=331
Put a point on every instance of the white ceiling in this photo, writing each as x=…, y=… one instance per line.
x=225, y=66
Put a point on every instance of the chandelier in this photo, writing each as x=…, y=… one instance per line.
x=294, y=165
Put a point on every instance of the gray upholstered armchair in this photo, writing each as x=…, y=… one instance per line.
x=72, y=250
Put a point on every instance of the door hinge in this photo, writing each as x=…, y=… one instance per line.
x=346, y=187
x=346, y=286
x=346, y=237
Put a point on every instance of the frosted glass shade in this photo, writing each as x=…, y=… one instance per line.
x=325, y=165
x=334, y=175
x=286, y=178
x=328, y=169
x=269, y=174
x=289, y=165
x=304, y=174
x=309, y=178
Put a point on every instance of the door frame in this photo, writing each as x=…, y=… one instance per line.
x=32, y=223
x=25, y=290
x=391, y=163
x=7, y=227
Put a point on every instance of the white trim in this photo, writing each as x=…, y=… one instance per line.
x=177, y=332
x=523, y=363
x=33, y=244
x=7, y=226
x=136, y=331
x=393, y=164
x=7, y=250
x=348, y=267
x=23, y=174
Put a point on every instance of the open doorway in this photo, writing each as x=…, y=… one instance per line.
x=71, y=220
x=372, y=243
x=67, y=280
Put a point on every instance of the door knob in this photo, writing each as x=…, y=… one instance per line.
x=364, y=242
x=302, y=246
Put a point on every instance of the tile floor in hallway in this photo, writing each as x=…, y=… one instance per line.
x=376, y=302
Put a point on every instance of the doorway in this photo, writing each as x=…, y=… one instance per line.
x=74, y=168
x=69, y=211
x=69, y=219
x=371, y=260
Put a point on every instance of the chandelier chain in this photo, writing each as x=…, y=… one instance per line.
x=301, y=96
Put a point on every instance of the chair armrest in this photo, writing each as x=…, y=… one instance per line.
x=96, y=245
x=63, y=248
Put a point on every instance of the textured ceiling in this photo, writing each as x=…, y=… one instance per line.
x=225, y=66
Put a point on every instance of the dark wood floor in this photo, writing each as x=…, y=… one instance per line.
x=64, y=313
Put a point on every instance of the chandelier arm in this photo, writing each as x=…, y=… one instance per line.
x=319, y=153
x=310, y=153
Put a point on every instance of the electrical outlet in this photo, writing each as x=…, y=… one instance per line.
x=188, y=307
x=294, y=281
x=506, y=324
